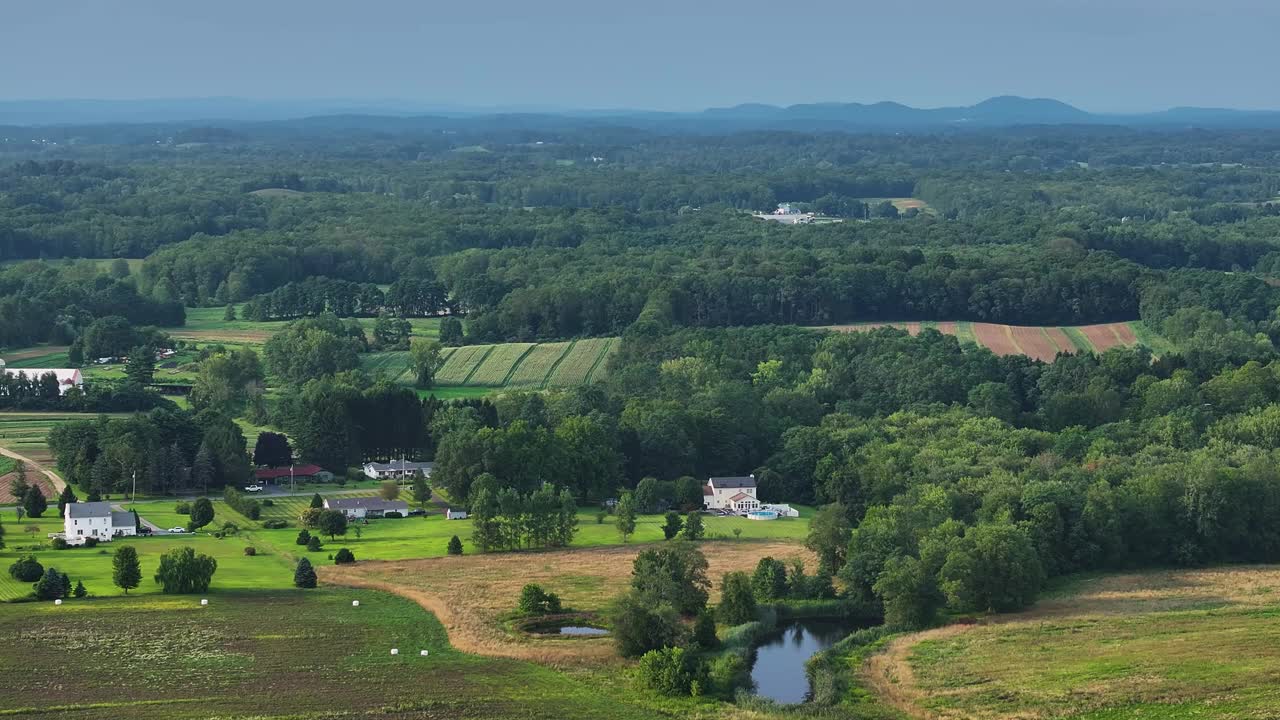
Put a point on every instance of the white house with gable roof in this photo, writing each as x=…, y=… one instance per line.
x=84, y=520
x=735, y=494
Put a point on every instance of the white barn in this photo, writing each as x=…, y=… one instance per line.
x=735, y=494
x=83, y=520
x=67, y=377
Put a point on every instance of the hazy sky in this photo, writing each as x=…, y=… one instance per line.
x=1101, y=55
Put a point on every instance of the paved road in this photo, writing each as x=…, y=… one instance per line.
x=155, y=529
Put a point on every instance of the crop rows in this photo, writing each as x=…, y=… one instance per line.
x=497, y=365
x=533, y=370
x=460, y=363
x=577, y=366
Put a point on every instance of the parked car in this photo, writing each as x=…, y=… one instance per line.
x=254, y=488
x=144, y=530
x=177, y=530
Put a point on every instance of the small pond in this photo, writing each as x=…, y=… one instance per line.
x=579, y=630
x=778, y=670
x=564, y=626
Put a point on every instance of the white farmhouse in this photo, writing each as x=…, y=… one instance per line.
x=358, y=508
x=735, y=494
x=83, y=520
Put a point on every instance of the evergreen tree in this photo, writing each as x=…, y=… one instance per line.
x=80, y=590
x=625, y=516
x=673, y=525
x=421, y=490
x=33, y=502
x=693, y=529
x=201, y=514
x=313, y=545
x=455, y=546
x=304, y=537
x=126, y=571
x=305, y=575
x=317, y=502
x=141, y=366
x=202, y=468
x=65, y=498
x=230, y=313
x=53, y=585
x=737, y=602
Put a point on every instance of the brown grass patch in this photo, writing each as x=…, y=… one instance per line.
x=1006, y=667
x=470, y=594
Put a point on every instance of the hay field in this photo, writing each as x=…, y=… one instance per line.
x=1161, y=644
x=1039, y=342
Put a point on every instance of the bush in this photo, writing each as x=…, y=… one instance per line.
x=670, y=670
x=60, y=544
x=536, y=601
x=182, y=508
x=344, y=557
x=274, y=524
x=268, y=502
x=455, y=546
x=640, y=626
x=26, y=569
x=250, y=551
x=241, y=503
x=727, y=673
x=704, y=631
x=80, y=591
x=182, y=571
x=737, y=602
x=313, y=544
x=393, y=514
x=304, y=537
x=89, y=542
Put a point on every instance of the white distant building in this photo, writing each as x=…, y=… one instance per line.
x=83, y=520
x=736, y=494
x=67, y=377
x=452, y=514
x=359, y=508
x=397, y=469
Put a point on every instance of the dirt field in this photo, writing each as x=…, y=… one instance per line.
x=1041, y=343
x=469, y=594
x=1163, y=644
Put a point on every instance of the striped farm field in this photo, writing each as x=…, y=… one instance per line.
x=1039, y=342
x=533, y=370
x=584, y=363
x=499, y=364
x=524, y=366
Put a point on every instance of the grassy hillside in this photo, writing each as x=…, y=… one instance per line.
x=526, y=366
x=1162, y=644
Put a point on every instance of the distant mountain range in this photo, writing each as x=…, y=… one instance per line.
x=1005, y=111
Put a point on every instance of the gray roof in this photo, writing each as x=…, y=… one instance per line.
x=368, y=503
x=122, y=519
x=91, y=510
x=407, y=466
x=725, y=483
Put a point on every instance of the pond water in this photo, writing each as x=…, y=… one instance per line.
x=778, y=670
x=582, y=630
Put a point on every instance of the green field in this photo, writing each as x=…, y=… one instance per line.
x=475, y=369
x=207, y=325
x=252, y=655
x=25, y=433
x=1160, y=644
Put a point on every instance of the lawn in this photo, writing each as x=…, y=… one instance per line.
x=207, y=326
x=307, y=655
x=1166, y=644
x=236, y=571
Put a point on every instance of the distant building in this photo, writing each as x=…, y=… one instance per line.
x=396, y=469
x=366, y=507
x=297, y=472
x=67, y=377
x=735, y=494
x=452, y=514
x=83, y=520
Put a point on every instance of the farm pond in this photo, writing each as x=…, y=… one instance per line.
x=778, y=669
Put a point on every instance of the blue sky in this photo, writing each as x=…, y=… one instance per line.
x=1113, y=55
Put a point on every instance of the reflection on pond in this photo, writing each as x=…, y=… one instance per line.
x=778, y=671
x=580, y=630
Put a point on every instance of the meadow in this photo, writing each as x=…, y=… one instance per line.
x=1041, y=343
x=255, y=654
x=1169, y=644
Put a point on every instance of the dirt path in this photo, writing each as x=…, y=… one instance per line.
x=58, y=483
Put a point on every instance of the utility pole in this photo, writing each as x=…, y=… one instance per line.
x=133, y=496
x=290, y=478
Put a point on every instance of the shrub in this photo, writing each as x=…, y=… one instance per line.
x=737, y=603
x=80, y=590
x=268, y=502
x=313, y=544
x=26, y=569
x=250, y=551
x=393, y=514
x=455, y=546
x=305, y=575
x=304, y=537
x=182, y=508
x=182, y=570
x=727, y=673
x=536, y=601
x=89, y=542
x=640, y=626
x=60, y=544
x=600, y=517
x=241, y=503
x=704, y=631
x=344, y=557
x=669, y=670
x=274, y=524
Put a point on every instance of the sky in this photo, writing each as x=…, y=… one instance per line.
x=1100, y=55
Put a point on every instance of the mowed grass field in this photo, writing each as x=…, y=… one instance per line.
x=207, y=326
x=526, y=366
x=1039, y=342
x=305, y=655
x=25, y=433
x=1173, y=644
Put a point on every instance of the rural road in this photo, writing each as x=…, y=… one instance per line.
x=154, y=527
x=58, y=483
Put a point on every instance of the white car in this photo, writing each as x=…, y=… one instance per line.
x=254, y=488
x=177, y=530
